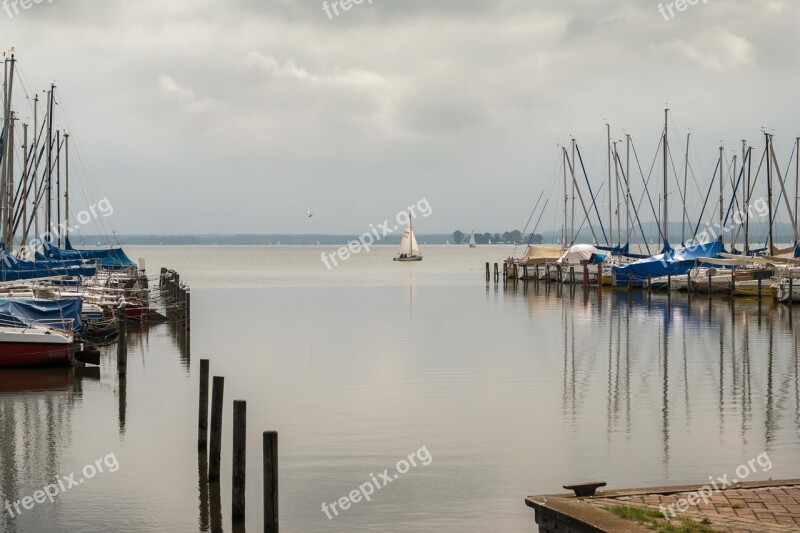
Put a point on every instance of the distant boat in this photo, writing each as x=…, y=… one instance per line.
x=490, y=241
x=472, y=240
x=409, y=250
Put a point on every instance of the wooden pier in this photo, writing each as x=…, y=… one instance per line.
x=759, y=506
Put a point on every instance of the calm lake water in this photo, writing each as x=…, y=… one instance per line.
x=509, y=391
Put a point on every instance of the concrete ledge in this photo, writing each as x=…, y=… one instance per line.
x=568, y=514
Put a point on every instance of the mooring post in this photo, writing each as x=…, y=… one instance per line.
x=572, y=275
x=202, y=425
x=585, y=276
x=239, y=459
x=496, y=273
x=536, y=272
x=649, y=282
x=759, y=289
x=217, y=392
x=161, y=277
x=525, y=272
x=709, y=284
x=733, y=284
x=599, y=274
x=669, y=283
x=122, y=342
x=270, y=482
x=630, y=280
x=790, y=300
x=188, y=310
x=488, y=273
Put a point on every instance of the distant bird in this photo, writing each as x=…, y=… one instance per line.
x=310, y=214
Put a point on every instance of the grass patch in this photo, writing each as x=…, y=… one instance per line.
x=653, y=519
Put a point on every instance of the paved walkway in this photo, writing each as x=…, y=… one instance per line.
x=761, y=507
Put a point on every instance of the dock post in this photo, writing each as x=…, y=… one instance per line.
x=188, y=310
x=709, y=284
x=572, y=275
x=546, y=271
x=496, y=273
x=271, y=482
x=790, y=300
x=759, y=289
x=239, y=459
x=202, y=424
x=536, y=273
x=122, y=342
x=488, y=273
x=525, y=273
x=161, y=277
x=669, y=283
x=630, y=280
x=505, y=270
x=649, y=282
x=599, y=275
x=217, y=392
x=585, y=276
x=733, y=284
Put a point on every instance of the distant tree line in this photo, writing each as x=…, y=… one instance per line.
x=509, y=237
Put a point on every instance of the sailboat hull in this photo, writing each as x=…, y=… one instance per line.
x=414, y=258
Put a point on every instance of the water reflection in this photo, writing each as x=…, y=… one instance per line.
x=685, y=347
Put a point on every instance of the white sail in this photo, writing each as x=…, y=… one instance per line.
x=408, y=244
x=472, y=239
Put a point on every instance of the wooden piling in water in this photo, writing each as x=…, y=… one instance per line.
x=188, y=310
x=202, y=424
x=585, y=276
x=217, y=393
x=759, y=289
x=496, y=273
x=572, y=275
x=122, y=342
x=239, y=459
x=270, y=482
x=488, y=273
x=709, y=284
x=649, y=282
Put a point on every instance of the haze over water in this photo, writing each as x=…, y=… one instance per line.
x=513, y=390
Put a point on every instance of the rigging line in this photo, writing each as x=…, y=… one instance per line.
x=646, y=191
x=678, y=183
x=697, y=227
x=594, y=202
x=585, y=218
x=530, y=218
x=635, y=211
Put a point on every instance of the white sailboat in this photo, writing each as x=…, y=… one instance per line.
x=409, y=250
x=472, y=240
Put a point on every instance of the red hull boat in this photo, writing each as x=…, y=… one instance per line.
x=36, y=347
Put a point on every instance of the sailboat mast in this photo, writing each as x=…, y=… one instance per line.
x=749, y=158
x=58, y=183
x=8, y=147
x=66, y=186
x=572, y=222
x=685, y=192
x=410, y=236
x=769, y=189
x=9, y=193
x=610, y=195
x=616, y=175
x=721, y=204
x=665, y=220
x=628, y=183
x=36, y=167
x=49, y=184
x=24, y=195
x=566, y=200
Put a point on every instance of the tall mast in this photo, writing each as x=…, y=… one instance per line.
x=769, y=189
x=721, y=185
x=8, y=147
x=49, y=185
x=685, y=192
x=8, y=238
x=24, y=196
x=628, y=183
x=665, y=220
x=572, y=222
x=66, y=187
x=610, y=189
x=796, y=175
x=36, y=167
x=733, y=200
x=58, y=183
x=749, y=158
x=616, y=175
x=566, y=201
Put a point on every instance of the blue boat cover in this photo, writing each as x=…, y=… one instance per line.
x=13, y=268
x=672, y=262
x=53, y=314
x=111, y=258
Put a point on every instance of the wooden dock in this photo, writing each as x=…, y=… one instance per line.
x=759, y=506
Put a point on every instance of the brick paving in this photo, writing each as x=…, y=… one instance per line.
x=738, y=509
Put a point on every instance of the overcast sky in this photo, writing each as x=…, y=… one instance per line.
x=195, y=116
